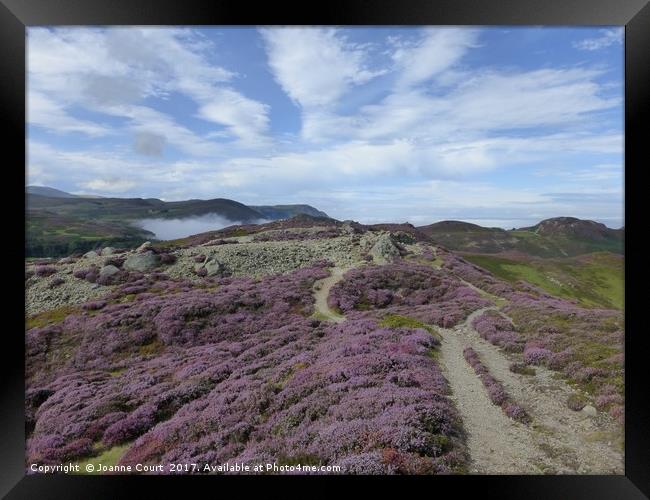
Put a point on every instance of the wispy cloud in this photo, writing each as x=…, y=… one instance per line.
x=608, y=37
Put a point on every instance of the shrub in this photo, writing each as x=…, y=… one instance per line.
x=576, y=402
x=43, y=271
x=537, y=355
x=521, y=369
x=55, y=282
x=496, y=391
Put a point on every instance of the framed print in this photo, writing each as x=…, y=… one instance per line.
x=366, y=242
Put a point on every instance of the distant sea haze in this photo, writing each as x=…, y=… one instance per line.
x=171, y=229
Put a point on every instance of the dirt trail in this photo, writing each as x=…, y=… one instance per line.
x=559, y=440
x=321, y=291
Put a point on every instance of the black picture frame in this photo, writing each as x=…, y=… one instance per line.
x=16, y=15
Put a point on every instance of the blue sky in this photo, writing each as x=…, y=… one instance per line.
x=500, y=126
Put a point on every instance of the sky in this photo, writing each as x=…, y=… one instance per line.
x=500, y=126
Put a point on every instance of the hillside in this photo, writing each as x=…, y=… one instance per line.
x=316, y=342
x=595, y=280
x=59, y=223
x=48, y=191
x=557, y=237
x=274, y=212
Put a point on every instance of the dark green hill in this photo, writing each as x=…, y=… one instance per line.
x=63, y=223
x=557, y=237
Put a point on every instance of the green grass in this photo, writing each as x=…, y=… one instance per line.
x=398, y=321
x=50, y=317
x=594, y=280
x=108, y=458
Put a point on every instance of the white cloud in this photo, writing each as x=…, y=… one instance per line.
x=45, y=112
x=315, y=66
x=109, y=70
x=437, y=50
x=608, y=37
x=110, y=185
x=408, y=145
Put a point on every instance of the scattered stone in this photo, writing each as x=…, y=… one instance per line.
x=108, y=271
x=590, y=410
x=91, y=255
x=144, y=247
x=108, y=251
x=142, y=262
x=214, y=268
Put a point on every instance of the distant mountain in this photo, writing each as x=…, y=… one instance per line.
x=556, y=237
x=572, y=227
x=48, y=191
x=59, y=223
x=455, y=226
x=275, y=212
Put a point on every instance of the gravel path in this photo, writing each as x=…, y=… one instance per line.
x=321, y=292
x=558, y=441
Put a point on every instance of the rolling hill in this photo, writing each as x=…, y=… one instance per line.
x=59, y=223
x=556, y=237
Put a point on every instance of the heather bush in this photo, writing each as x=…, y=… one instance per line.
x=497, y=330
x=80, y=273
x=413, y=290
x=496, y=391
x=576, y=402
x=43, y=270
x=167, y=258
x=55, y=282
x=114, y=261
x=537, y=355
x=521, y=369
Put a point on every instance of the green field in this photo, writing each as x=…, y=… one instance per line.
x=595, y=280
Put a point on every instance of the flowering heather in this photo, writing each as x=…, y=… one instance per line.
x=473, y=274
x=233, y=369
x=497, y=330
x=584, y=345
x=417, y=291
x=537, y=355
x=495, y=389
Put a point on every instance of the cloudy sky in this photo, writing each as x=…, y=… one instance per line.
x=498, y=126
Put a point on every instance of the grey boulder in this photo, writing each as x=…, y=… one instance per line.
x=108, y=271
x=384, y=250
x=142, y=262
x=144, y=247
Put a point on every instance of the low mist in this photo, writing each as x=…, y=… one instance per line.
x=171, y=229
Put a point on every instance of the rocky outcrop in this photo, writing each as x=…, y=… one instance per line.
x=384, y=249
